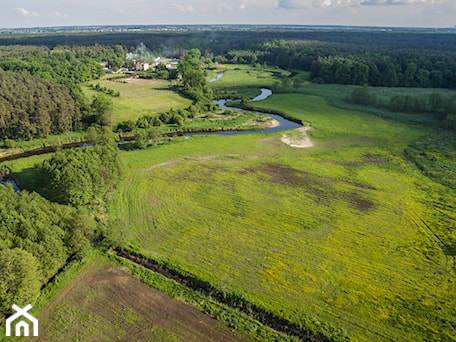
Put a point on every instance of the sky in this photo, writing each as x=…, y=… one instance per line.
x=406, y=13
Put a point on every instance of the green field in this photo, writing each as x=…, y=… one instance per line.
x=247, y=76
x=347, y=232
x=139, y=97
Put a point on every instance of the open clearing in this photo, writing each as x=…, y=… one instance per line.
x=105, y=302
x=347, y=232
x=140, y=97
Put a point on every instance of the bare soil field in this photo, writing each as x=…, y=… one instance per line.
x=106, y=303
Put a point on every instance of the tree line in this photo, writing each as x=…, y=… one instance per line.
x=37, y=237
x=442, y=107
x=41, y=91
x=386, y=71
x=397, y=58
x=357, y=65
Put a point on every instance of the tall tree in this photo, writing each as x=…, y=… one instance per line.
x=19, y=278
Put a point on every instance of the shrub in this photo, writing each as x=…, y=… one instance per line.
x=362, y=96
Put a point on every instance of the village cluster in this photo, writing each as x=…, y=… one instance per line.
x=140, y=65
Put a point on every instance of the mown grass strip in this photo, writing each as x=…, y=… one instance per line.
x=306, y=332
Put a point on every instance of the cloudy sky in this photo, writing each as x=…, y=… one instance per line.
x=421, y=13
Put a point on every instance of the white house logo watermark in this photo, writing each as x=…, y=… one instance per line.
x=22, y=326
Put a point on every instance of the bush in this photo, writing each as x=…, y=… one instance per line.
x=176, y=119
x=406, y=104
x=362, y=96
x=8, y=143
x=126, y=126
x=141, y=139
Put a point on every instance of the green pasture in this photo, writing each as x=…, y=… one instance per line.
x=140, y=97
x=347, y=232
x=331, y=122
x=248, y=76
x=237, y=93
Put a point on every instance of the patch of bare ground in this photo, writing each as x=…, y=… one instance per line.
x=298, y=138
x=375, y=159
x=8, y=151
x=141, y=81
x=358, y=202
x=318, y=186
x=271, y=123
x=106, y=303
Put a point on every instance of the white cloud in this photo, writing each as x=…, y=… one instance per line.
x=24, y=12
x=330, y=3
x=61, y=15
x=120, y=11
x=395, y=2
x=296, y=4
x=184, y=9
x=243, y=4
x=231, y=6
x=293, y=4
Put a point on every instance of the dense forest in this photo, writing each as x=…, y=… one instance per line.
x=40, y=232
x=81, y=176
x=375, y=58
x=33, y=106
x=40, y=90
x=37, y=237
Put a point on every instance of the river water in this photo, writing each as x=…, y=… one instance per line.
x=219, y=76
x=284, y=124
x=12, y=182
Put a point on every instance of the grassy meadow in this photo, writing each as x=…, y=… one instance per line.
x=239, y=76
x=139, y=97
x=347, y=232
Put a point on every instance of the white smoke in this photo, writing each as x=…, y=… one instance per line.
x=141, y=54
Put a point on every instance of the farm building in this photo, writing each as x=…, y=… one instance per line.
x=140, y=66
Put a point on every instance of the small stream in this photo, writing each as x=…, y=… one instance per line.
x=12, y=182
x=219, y=76
x=284, y=124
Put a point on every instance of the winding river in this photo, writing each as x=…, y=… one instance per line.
x=284, y=124
x=219, y=76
